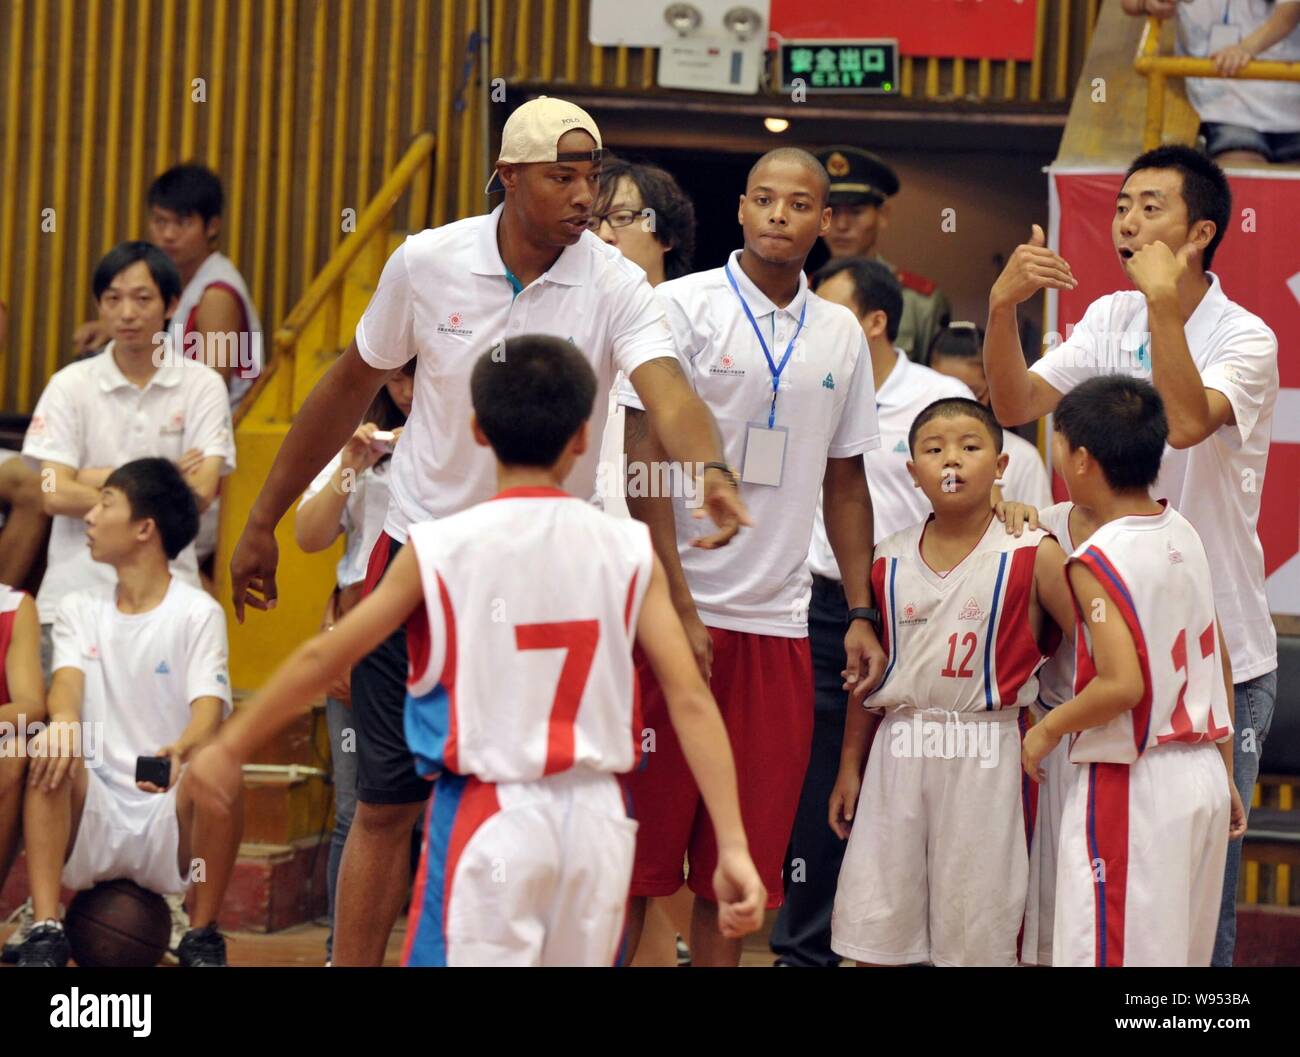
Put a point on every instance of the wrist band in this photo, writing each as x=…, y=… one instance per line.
x=727, y=471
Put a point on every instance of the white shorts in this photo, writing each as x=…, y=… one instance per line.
x=937, y=861
x=1140, y=860
x=1040, y=904
x=126, y=834
x=529, y=873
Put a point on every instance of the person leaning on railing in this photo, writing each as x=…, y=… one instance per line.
x=1243, y=122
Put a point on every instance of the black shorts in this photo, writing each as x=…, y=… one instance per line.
x=385, y=767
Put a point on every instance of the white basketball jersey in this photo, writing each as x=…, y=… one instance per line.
x=1154, y=571
x=244, y=350
x=525, y=666
x=1056, y=677
x=958, y=641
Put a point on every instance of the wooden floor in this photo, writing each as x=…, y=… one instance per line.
x=304, y=945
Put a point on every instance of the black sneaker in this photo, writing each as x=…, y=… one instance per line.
x=202, y=948
x=45, y=946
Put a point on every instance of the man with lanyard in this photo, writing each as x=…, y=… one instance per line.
x=789, y=378
x=861, y=186
x=444, y=296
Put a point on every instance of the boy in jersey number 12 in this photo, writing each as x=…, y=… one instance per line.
x=936, y=867
x=520, y=703
x=1151, y=805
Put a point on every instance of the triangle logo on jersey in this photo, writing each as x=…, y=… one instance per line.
x=829, y=381
x=901, y=446
x=971, y=610
x=1175, y=555
x=162, y=668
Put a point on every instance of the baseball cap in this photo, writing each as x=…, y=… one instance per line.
x=857, y=176
x=533, y=130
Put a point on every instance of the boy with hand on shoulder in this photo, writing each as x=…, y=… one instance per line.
x=937, y=861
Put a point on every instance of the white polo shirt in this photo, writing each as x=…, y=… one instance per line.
x=1217, y=484
x=760, y=582
x=896, y=503
x=444, y=297
x=90, y=416
x=362, y=518
x=1205, y=26
x=143, y=671
x=1026, y=479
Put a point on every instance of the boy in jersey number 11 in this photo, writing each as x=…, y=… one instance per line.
x=520, y=701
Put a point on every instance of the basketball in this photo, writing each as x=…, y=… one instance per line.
x=118, y=925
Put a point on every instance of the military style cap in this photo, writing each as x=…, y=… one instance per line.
x=857, y=176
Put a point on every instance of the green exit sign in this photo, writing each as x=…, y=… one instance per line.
x=863, y=66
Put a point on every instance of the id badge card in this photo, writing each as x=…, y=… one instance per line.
x=1223, y=35
x=764, y=454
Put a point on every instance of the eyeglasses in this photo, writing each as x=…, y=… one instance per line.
x=620, y=218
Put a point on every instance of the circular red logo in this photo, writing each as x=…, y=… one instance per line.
x=727, y=361
x=909, y=612
x=454, y=319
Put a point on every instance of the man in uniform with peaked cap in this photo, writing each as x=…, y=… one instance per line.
x=861, y=186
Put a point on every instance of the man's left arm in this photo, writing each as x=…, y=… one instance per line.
x=209, y=432
x=646, y=350
x=1194, y=409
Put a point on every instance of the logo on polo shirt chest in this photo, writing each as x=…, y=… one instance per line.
x=901, y=446
x=454, y=325
x=726, y=365
x=829, y=381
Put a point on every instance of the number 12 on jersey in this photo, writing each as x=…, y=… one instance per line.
x=969, y=642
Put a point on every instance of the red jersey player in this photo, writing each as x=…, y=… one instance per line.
x=521, y=699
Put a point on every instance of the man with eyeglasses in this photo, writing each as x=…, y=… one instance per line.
x=861, y=186
x=445, y=296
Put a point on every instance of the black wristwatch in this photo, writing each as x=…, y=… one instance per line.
x=870, y=614
x=727, y=472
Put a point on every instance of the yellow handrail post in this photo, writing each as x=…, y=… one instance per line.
x=1155, y=120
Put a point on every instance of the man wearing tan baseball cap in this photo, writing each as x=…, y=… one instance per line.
x=445, y=296
x=533, y=133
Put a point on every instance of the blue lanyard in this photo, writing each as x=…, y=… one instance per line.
x=771, y=366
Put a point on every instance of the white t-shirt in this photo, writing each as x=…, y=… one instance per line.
x=242, y=351
x=1205, y=26
x=1026, y=478
x=760, y=582
x=896, y=502
x=143, y=671
x=444, y=297
x=362, y=517
x=1217, y=484
x=90, y=416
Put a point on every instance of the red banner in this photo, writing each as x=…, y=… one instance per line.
x=962, y=29
x=1258, y=264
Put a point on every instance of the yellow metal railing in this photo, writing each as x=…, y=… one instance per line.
x=1158, y=69
x=325, y=294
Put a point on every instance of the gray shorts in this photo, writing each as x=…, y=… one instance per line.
x=1277, y=147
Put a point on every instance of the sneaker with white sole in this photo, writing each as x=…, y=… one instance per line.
x=26, y=919
x=45, y=947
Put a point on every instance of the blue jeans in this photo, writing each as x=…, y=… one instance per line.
x=1254, y=714
x=338, y=716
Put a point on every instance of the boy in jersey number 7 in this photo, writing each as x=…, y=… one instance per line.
x=1147, y=818
x=521, y=697
x=936, y=867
